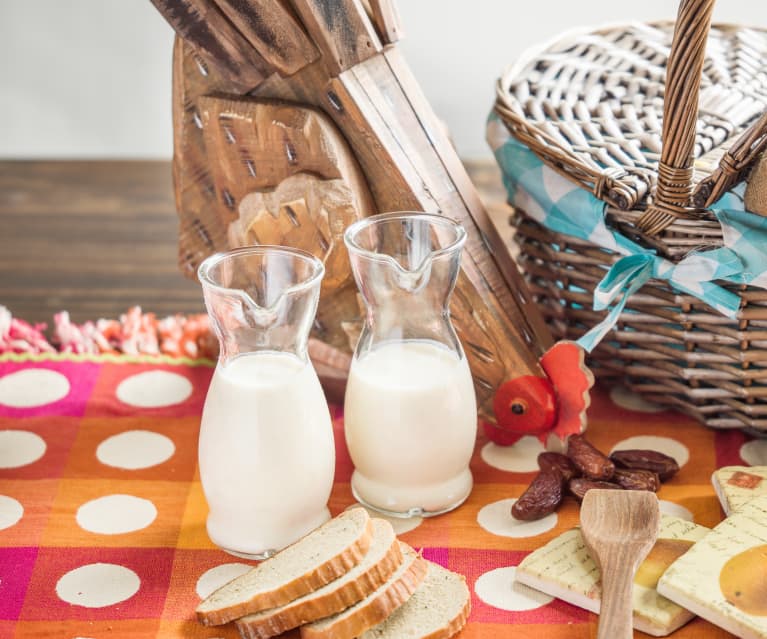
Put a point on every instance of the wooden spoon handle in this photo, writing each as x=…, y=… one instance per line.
x=616, y=610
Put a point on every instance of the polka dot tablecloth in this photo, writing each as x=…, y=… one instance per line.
x=102, y=517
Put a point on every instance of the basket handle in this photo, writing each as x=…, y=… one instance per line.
x=733, y=165
x=673, y=193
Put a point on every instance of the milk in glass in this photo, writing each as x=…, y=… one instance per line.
x=410, y=420
x=266, y=441
x=410, y=409
x=266, y=449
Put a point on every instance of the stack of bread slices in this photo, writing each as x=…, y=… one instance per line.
x=349, y=578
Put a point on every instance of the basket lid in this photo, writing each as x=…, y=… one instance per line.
x=591, y=105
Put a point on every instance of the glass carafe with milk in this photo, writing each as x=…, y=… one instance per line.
x=266, y=450
x=410, y=410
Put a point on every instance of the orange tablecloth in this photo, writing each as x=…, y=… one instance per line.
x=102, y=517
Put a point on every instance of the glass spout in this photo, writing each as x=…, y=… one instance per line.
x=406, y=243
x=261, y=298
x=405, y=266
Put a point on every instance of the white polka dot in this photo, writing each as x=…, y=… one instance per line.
x=498, y=588
x=98, y=585
x=400, y=525
x=33, y=387
x=153, y=389
x=496, y=518
x=214, y=578
x=625, y=398
x=674, y=510
x=135, y=449
x=521, y=457
x=19, y=448
x=115, y=514
x=754, y=453
x=664, y=445
x=10, y=512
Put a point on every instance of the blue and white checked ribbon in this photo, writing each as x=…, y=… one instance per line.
x=564, y=207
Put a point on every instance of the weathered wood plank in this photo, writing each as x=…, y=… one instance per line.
x=202, y=25
x=496, y=248
x=193, y=182
x=342, y=31
x=386, y=97
x=387, y=20
x=272, y=31
x=90, y=237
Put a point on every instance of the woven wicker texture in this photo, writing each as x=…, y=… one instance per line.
x=593, y=107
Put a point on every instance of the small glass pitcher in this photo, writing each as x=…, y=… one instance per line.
x=410, y=409
x=266, y=450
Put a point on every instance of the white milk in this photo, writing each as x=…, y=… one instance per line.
x=411, y=422
x=266, y=452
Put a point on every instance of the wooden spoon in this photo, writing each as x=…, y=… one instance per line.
x=620, y=528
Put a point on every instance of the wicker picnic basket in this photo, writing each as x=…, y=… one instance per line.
x=658, y=121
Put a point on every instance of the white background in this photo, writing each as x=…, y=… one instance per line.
x=91, y=78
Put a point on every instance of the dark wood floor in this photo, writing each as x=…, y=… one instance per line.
x=97, y=237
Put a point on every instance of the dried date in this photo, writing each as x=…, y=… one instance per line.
x=559, y=463
x=592, y=463
x=541, y=498
x=665, y=466
x=581, y=485
x=636, y=479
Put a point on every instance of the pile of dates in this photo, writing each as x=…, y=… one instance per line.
x=584, y=468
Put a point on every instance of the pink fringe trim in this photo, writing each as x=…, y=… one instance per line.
x=135, y=333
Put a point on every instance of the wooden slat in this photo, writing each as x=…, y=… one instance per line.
x=272, y=31
x=205, y=28
x=380, y=157
x=90, y=237
x=341, y=29
x=387, y=20
x=497, y=249
x=405, y=122
x=379, y=152
x=200, y=233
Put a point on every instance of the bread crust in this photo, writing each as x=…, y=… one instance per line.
x=318, y=576
x=265, y=625
x=375, y=611
x=449, y=627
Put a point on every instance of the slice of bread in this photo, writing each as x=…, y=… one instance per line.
x=382, y=559
x=325, y=554
x=438, y=609
x=377, y=606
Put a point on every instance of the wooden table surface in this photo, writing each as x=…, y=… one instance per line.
x=96, y=237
